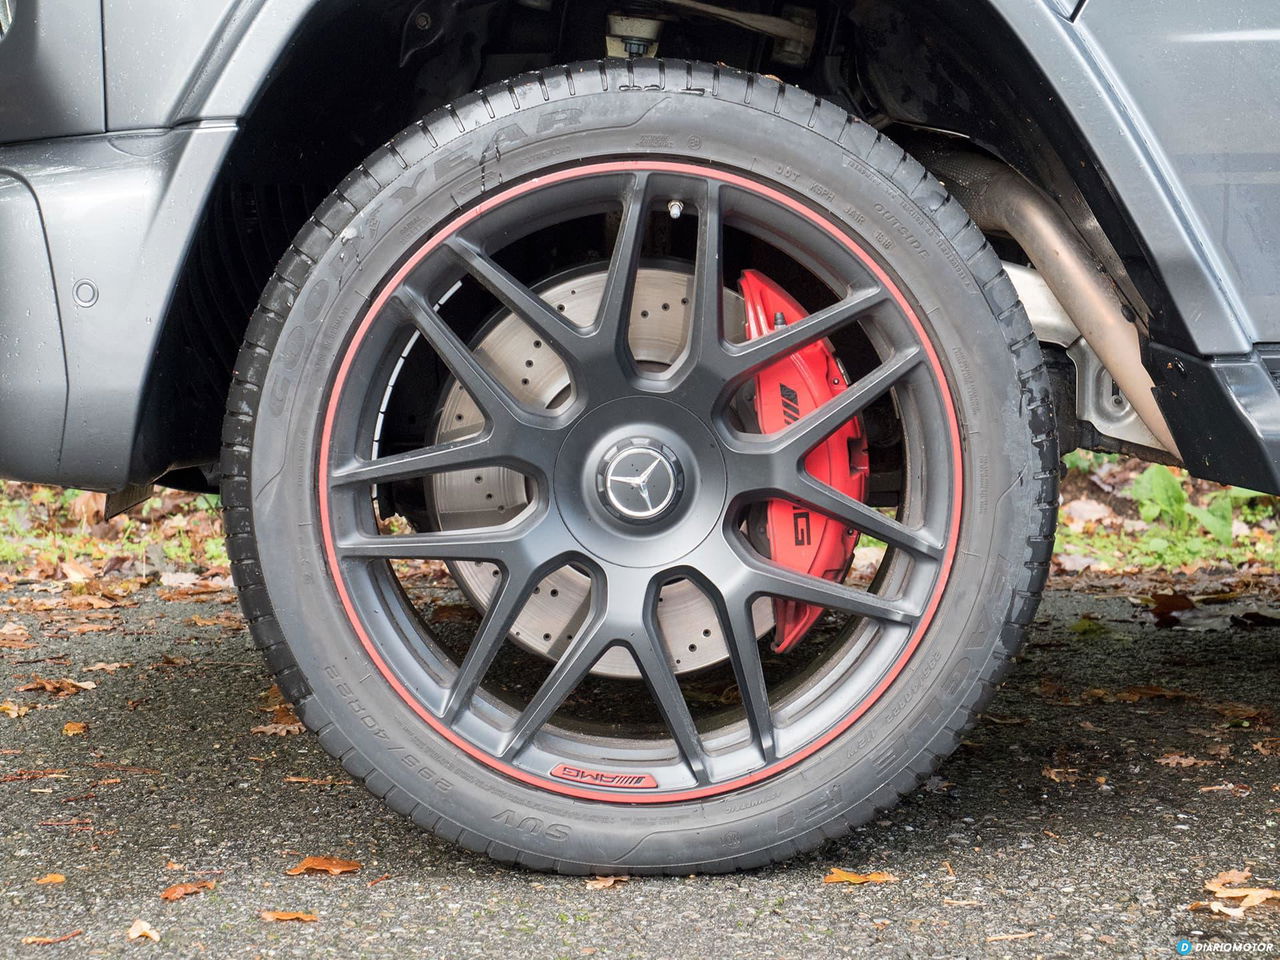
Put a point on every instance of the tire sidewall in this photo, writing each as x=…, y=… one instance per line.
x=880, y=755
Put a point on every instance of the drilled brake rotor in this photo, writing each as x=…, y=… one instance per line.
x=493, y=495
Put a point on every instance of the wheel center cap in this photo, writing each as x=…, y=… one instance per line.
x=639, y=480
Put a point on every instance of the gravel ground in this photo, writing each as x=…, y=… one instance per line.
x=995, y=858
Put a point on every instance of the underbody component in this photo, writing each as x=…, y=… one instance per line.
x=794, y=535
x=1000, y=200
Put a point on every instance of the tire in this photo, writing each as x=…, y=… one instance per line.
x=988, y=363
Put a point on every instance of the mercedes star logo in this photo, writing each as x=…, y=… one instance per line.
x=640, y=480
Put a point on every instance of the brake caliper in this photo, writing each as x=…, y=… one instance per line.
x=791, y=535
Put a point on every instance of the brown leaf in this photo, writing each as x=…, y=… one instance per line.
x=52, y=878
x=283, y=722
x=1179, y=760
x=221, y=620
x=88, y=508
x=45, y=941
x=1270, y=747
x=14, y=636
x=13, y=710
x=107, y=667
x=1221, y=886
x=454, y=613
x=64, y=687
x=838, y=875
x=603, y=883
x=329, y=865
x=75, y=572
x=1239, y=714
x=74, y=728
x=282, y=916
x=180, y=890
x=1217, y=907
x=141, y=930
x=1061, y=774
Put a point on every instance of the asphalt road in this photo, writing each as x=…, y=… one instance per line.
x=995, y=859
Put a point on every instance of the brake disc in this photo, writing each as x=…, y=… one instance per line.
x=493, y=495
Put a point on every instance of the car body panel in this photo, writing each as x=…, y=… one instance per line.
x=51, y=71
x=1200, y=82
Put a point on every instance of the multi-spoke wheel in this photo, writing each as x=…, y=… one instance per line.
x=704, y=477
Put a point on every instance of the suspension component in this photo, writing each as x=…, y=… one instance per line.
x=791, y=534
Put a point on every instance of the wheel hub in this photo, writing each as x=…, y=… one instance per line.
x=639, y=480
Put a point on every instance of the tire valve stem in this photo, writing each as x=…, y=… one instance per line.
x=675, y=208
x=779, y=320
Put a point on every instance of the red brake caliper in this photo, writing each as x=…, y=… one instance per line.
x=795, y=536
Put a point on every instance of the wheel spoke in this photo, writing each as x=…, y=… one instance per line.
x=570, y=670
x=490, y=396
x=482, y=543
x=545, y=320
x=772, y=580
x=472, y=452
x=747, y=359
x=706, y=322
x=504, y=607
x=651, y=656
x=810, y=430
x=862, y=517
x=613, y=319
x=744, y=651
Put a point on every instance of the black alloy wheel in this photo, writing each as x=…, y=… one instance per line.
x=496, y=481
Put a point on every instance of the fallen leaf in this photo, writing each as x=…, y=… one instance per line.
x=603, y=883
x=1270, y=747
x=284, y=722
x=141, y=930
x=1217, y=907
x=1241, y=714
x=13, y=710
x=454, y=613
x=283, y=916
x=45, y=941
x=1009, y=936
x=1061, y=774
x=52, y=878
x=107, y=667
x=74, y=728
x=175, y=866
x=329, y=865
x=65, y=687
x=14, y=636
x=75, y=572
x=838, y=875
x=1235, y=789
x=1179, y=760
x=180, y=890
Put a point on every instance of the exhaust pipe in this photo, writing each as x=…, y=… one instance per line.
x=997, y=198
